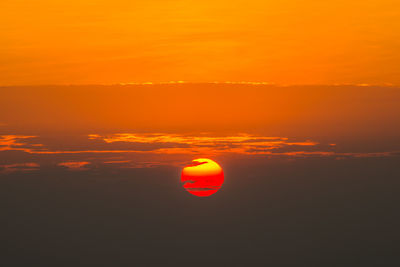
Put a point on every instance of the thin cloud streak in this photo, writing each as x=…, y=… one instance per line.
x=74, y=165
x=175, y=144
x=22, y=167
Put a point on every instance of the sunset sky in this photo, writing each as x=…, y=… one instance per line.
x=122, y=41
x=199, y=133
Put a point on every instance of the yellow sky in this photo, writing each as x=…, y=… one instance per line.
x=120, y=41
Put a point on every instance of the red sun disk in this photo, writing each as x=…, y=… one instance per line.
x=202, y=184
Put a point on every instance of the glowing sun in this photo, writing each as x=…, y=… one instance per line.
x=202, y=178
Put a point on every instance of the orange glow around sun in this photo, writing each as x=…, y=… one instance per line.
x=203, y=177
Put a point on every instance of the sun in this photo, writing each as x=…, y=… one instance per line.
x=203, y=177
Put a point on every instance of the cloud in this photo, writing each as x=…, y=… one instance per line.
x=17, y=142
x=157, y=143
x=145, y=150
x=130, y=164
x=75, y=165
x=242, y=143
x=22, y=167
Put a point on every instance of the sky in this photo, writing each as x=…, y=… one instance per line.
x=281, y=42
x=300, y=111
x=170, y=124
x=103, y=104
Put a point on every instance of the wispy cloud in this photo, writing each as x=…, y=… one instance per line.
x=14, y=142
x=75, y=165
x=144, y=150
x=130, y=164
x=22, y=167
x=242, y=143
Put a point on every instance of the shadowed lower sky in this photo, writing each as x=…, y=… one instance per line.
x=90, y=175
x=284, y=42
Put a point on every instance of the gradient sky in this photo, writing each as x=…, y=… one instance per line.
x=284, y=42
x=103, y=103
x=124, y=126
x=301, y=111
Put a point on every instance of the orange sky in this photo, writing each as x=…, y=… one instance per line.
x=179, y=108
x=121, y=41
